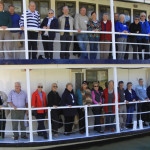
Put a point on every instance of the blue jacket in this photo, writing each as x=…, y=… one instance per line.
x=53, y=25
x=120, y=27
x=130, y=97
x=145, y=29
x=141, y=92
x=79, y=97
x=15, y=22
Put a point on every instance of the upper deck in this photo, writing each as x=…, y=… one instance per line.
x=130, y=10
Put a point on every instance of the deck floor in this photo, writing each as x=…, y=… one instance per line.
x=36, y=138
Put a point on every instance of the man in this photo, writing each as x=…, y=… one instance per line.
x=16, y=35
x=81, y=21
x=18, y=99
x=116, y=17
x=122, y=109
x=5, y=22
x=145, y=29
x=66, y=23
x=33, y=22
x=142, y=107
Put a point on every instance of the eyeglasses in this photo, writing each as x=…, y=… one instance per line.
x=50, y=13
x=55, y=86
x=137, y=19
x=40, y=87
x=95, y=86
x=142, y=16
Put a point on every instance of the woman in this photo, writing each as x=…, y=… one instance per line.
x=68, y=99
x=83, y=98
x=54, y=101
x=105, y=26
x=39, y=100
x=94, y=25
x=109, y=97
x=130, y=96
x=97, y=99
x=135, y=27
x=49, y=22
x=123, y=28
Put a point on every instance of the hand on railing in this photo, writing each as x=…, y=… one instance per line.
x=4, y=27
x=54, y=106
x=69, y=106
x=22, y=28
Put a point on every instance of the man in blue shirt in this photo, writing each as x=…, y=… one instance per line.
x=142, y=107
x=15, y=34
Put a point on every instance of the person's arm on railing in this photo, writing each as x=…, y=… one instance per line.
x=77, y=23
x=21, y=22
x=138, y=94
x=9, y=100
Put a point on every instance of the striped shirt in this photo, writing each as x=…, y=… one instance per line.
x=33, y=19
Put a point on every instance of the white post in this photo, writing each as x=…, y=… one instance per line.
x=49, y=124
x=116, y=100
x=29, y=104
x=113, y=29
x=25, y=30
x=86, y=120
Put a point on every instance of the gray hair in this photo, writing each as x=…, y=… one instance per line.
x=39, y=84
x=51, y=10
x=18, y=83
x=122, y=15
x=105, y=14
x=65, y=7
x=32, y=2
x=53, y=85
x=142, y=13
x=69, y=84
x=111, y=81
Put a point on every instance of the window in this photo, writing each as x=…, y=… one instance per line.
x=126, y=12
x=97, y=75
x=60, y=5
x=16, y=3
x=137, y=12
x=89, y=8
x=103, y=9
x=42, y=6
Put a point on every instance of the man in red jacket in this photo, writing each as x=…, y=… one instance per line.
x=39, y=100
x=105, y=26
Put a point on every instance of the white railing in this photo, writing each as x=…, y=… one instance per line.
x=87, y=116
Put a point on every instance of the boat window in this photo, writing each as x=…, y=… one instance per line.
x=89, y=8
x=97, y=75
x=126, y=12
x=60, y=5
x=104, y=9
x=79, y=77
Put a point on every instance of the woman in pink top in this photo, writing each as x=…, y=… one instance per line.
x=97, y=99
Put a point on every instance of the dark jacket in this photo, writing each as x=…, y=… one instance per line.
x=148, y=92
x=134, y=28
x=53, y=99
x=106, y=27
x=53, y=25
x=67, y=99
x=130, y=97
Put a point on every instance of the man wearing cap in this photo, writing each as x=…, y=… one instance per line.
x=122, y=109
x=135, y=27
x=83, y=98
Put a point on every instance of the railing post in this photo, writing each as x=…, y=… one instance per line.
x=25, y=30
x=116, y=100
x=29, y=104
x=49, y=124
x=113, y=29
x=86, y=120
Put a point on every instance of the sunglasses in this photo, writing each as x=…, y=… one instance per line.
x=55, y=86
x=40, y=87
x=50, y=13
x=142, y=16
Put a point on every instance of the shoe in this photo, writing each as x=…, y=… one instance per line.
x=24, y=137
x=15, y=138
x=82, y=132
x=100, y=131
x=112, y=130
x=106, y=129
x=56, y=135
x=121, y=129
x=125, y=128
x=67, y=134
x=45, y=137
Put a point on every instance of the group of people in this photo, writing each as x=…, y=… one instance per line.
x=80, y=23
x=17, y=98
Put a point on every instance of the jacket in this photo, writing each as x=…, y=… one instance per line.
x=148, y=92
x=120, y=27
x=5, y=19
x=37, y=102
x=130, y=97
x=105, y=96
x=68, y=98
x=134, y=28
x=53, y=25
x=145, y=29
x=107, y=28
x=53, y=99
x=62, y=20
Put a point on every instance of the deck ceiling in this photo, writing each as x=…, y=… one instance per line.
x=136, y=1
